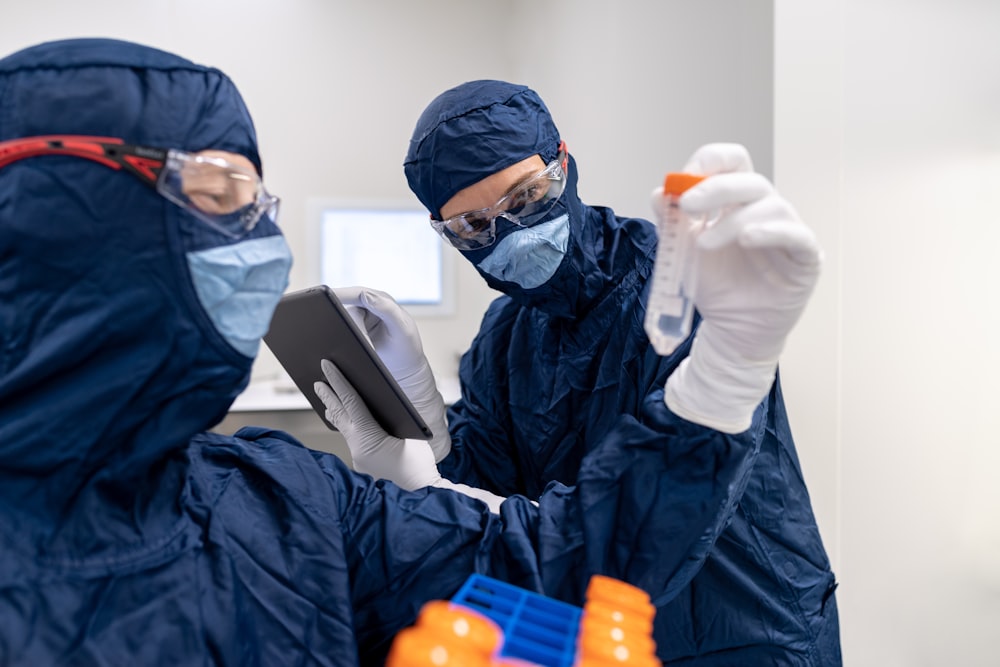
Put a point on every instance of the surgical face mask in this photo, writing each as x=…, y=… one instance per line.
x=239, y=286
x=529, y=257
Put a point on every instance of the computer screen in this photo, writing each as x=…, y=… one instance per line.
x=388, y=246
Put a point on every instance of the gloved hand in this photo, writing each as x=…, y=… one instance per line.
x=407, y=463
x=394, y=336
x=756, y=265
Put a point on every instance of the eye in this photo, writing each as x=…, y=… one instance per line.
x=217, y=191
x=529, y=193
x=469, y=225
x=211, y=202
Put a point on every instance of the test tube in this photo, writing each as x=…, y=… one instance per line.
x=446, y=635
x=670, y=307
x=616, y=626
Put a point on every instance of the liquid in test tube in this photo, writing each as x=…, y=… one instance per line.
x=670, y=308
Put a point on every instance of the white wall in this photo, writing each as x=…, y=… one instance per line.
x=335, y=87
x=636, y=86
x=887, y=127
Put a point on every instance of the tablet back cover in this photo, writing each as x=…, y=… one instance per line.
x=311, y=325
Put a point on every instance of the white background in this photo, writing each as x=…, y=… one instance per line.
x=887, y=139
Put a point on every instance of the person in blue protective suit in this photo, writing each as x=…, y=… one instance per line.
x=141, y=263
x=561, y=378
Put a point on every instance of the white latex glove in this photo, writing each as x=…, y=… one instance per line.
x=407, y=463
x=756, y=267
x=395, y=337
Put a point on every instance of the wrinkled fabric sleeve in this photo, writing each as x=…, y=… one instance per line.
x=481, y=452
x=657, y=494
x=405, y=548
x=650, y=501
x=654, y=495
x=649, y=504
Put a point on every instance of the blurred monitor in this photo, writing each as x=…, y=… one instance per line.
x=389, y=246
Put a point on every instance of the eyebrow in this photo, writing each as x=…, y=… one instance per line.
x=518, y=183
x=524, y=179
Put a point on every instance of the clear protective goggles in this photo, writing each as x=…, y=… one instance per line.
x=524, y=205
x=229, y=197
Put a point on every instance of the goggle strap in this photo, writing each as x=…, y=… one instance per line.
x=146, y=168
x=108, y=151
x=85, y=147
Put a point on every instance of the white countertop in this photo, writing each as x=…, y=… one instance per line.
x=282, y=394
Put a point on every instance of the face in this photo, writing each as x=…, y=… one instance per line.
x=219, y=191
x=488, y=191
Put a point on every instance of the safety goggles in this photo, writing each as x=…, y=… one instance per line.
x=524, y=205
x=226, y=196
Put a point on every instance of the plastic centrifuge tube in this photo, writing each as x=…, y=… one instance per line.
x=670, y=307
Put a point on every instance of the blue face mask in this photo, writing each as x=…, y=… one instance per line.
x=529, y=257
x=239, y=286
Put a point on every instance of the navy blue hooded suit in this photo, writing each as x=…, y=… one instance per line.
x=129, y=535
x=561, y=374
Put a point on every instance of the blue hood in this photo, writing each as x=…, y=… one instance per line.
x=108, y=363
x=480, y=127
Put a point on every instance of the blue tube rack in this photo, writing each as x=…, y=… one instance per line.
x=535, y=628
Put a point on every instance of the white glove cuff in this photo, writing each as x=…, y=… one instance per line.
x=407, y=463
x=492, y=500
x=716, y=389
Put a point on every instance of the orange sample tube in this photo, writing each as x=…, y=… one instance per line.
x=670, y=308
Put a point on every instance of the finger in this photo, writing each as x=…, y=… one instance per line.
x=353, y=406
x=382, y=315
x=719, y=158
x=358, y=316
x=733, y=224
x=393, y=316
x=325, y=394
x=368, y=299
x=724, y=190
x=721, y=233
x=660, y=204
x=357, y=301
x=334, y=408
x=767, y=224
x=797, y=241
x=349, y=296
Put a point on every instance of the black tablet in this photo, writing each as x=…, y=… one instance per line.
x=311, y=325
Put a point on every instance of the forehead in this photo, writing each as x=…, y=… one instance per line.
x=487, y=192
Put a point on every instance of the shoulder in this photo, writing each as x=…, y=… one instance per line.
x=501, y=312
x=267, y=468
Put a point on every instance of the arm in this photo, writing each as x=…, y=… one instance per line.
x=757, y=264
x=408, y=463
x=482, y=453
x=472, y=422
x=647, y=507
x=395, y=337
x=658, y=493
x=756, y=267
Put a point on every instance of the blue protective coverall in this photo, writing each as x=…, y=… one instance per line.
x=561, y=373
x=129, y=535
